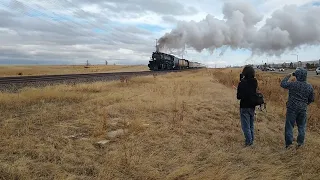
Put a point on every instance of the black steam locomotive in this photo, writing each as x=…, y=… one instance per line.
x=162, y=61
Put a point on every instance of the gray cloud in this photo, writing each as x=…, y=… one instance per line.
x=40, y=38
x=80, y=30
x=136, y=6
x=169, y=18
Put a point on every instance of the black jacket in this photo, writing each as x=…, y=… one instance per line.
x=247, y=89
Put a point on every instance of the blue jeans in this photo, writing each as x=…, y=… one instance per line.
x=300, y=118
x=247, y=124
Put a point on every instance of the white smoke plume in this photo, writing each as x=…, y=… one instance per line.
x=287, y=29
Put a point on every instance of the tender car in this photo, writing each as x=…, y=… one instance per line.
x=318, y=71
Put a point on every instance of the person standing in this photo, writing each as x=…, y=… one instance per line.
x=301, y=95
x=247, y=88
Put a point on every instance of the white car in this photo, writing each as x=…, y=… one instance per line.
x=318, y=70
x=281, y=69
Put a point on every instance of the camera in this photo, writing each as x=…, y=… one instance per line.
x=241, y=76
x=293, y=74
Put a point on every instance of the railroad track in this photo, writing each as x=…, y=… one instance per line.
x=17, y=82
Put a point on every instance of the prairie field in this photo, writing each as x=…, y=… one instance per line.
x=176, y=126
x=65, y=69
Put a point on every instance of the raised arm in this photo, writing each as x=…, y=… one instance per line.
x=284, y=83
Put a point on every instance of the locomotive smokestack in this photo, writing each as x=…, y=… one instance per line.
x=157, y=46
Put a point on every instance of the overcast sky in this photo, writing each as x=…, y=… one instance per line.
x=119, y=31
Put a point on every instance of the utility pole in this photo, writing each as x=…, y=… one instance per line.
x=184, y=48
x=297, y=59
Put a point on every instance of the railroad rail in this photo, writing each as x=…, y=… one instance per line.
x=17, y=82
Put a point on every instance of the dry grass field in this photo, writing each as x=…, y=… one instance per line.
x=65, y=69
x=176, y=126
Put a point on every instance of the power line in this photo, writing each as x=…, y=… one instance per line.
x=112, y=29
x=70, y=20
x=82, y=11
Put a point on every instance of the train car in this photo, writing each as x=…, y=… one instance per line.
x=182, y=64
x=193, y=65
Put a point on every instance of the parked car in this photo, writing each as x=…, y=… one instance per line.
x=318, y=70
x=281, y=69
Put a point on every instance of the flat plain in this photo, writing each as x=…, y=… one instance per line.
x=176, y=126
x=65, y=69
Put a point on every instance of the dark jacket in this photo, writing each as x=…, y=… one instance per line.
x=247, y=88
x=300, y=92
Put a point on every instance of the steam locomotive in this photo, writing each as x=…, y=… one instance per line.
x=162, y=61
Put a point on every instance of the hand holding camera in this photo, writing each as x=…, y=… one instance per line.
x=241, y=76
x=292, y=74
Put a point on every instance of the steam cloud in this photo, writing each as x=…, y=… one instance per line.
x=287, y=29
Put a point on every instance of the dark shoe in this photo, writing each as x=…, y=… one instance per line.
x=299, y=145
x=288, y=146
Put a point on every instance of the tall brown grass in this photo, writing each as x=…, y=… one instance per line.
x=176, y=126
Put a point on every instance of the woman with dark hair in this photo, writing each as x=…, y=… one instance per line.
x=247, y=88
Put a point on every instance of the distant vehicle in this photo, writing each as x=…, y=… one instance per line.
x=263, y=69
x=318, y=71
x=281, y=69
